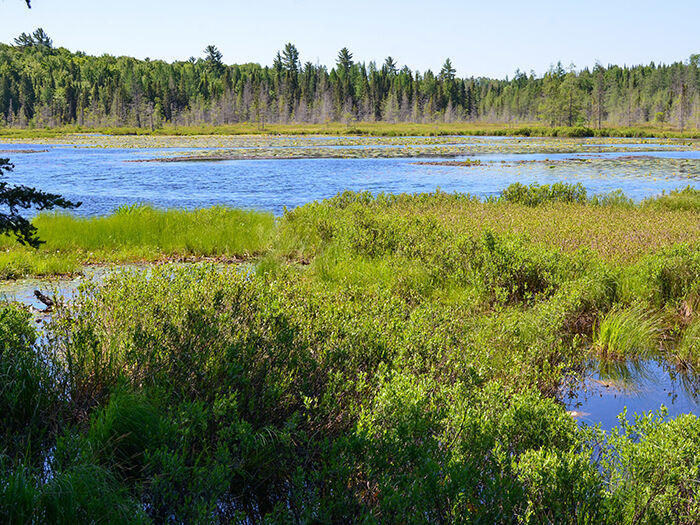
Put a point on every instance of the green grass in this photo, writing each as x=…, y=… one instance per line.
x=628, y=333
x=367, y=128
x=138, y=233
x=688, y=349
x=685, y=199
x=561, y=217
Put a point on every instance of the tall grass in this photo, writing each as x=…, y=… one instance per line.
x=210, y=231
x=560, y=216
x=628, y=333
x=138, y=233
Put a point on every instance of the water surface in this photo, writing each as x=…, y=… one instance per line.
x=101, y=173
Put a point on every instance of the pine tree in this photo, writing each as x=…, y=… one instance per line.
x=213, y=59
x=15, y=198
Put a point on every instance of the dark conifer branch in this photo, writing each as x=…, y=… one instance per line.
x=16, y=198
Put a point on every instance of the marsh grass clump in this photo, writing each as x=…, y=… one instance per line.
x=26, y=399
x=628, y=333
x=138, y=233
x=211, y=231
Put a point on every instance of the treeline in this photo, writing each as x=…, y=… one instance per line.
x=44, y=86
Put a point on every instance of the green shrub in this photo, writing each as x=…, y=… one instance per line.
x=687, y=199
x=535, y=195
x=688, y=348
x=663, y=278
x=561, y=487
x=651, y=467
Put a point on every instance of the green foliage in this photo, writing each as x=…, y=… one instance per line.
x=686, y=199
x=139, y=233
x=390, y=359
x=652, y=469
x=535, y=195
x=26, y=399
x=561, y=487
x=127, y=427
x=688, y=349
x=46, y=87
x=664, y=278
x=16, y=197
x=79, y=494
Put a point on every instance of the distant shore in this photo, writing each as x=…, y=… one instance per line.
x=364, y=129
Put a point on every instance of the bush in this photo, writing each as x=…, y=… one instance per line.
x=26, y=398
x=652, y=468
x=536, y=195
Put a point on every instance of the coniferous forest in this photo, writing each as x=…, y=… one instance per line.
x=46, y=86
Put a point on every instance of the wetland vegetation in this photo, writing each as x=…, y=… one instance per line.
x=390, y=358
x=397, y=355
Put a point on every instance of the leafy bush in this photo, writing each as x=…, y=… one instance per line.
x=652, y=469
x=535, y=195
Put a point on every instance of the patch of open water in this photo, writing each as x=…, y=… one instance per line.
x=102, y=179
x=638, y=387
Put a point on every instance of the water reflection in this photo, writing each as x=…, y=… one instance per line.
x=638, y=385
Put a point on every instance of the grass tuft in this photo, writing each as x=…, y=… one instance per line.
x=627, y=333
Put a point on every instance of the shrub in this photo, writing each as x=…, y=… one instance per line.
x=535, y=195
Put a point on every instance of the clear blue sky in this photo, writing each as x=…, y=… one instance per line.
x=483, y=38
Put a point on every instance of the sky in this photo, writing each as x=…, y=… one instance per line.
x=489, y=38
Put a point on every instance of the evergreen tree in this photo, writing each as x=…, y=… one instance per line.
x=214, y=58
x=14, y=198
x=41, y=85
x=344, y=61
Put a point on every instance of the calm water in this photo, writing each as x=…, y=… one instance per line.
x=647, y=386
x=103, y=179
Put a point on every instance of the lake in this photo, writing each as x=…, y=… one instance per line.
x=105, y=172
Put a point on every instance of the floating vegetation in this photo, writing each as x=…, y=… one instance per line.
x=21, y=151
x=458, y=163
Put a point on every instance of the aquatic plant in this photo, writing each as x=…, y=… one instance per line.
x=628, y=333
